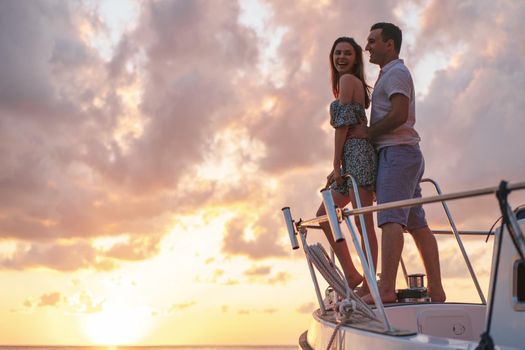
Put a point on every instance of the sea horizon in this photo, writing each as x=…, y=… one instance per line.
x=146, y=347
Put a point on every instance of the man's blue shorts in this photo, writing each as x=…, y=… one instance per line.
x=400, y=170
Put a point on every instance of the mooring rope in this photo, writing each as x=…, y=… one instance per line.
x=331, y=273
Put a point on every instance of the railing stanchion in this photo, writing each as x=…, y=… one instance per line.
x=290, y=227
x=312, y=274
x=368, y=262
x=333, y=214
x=369, y=276
x=458, y=239
x=404, y=268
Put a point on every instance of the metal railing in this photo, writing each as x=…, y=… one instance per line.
x=460, y=242
x=335, y=215
x=367, y=264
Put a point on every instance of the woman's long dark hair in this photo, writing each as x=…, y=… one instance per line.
x=357, y=70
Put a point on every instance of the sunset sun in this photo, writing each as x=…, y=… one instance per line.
x=117, y=325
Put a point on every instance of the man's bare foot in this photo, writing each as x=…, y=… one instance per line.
x=386, y=297
x=437, y=295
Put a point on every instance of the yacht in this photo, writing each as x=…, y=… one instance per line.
x=343, y=321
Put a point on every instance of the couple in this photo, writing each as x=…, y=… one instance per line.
x=394, y=172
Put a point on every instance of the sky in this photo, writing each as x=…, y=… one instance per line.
x=147, y=148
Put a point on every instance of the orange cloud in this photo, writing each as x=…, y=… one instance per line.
x=258, y=271
x=50, y=299
x=136, y=248
x=281, y=277
x=59, y=256
x=306, y=308
x=264, y=245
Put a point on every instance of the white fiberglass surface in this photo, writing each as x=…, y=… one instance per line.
x=455, y=321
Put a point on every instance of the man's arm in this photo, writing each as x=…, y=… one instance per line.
x=397, y=116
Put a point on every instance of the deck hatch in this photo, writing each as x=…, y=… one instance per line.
x=518, y=290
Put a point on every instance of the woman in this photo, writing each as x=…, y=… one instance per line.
x=354, y=156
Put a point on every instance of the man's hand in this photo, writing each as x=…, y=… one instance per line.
x=358, y=131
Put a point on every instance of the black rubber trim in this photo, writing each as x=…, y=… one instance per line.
x=303, y=342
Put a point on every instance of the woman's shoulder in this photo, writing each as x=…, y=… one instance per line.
x=348, y=83
x=350, y=88
x=350, y=80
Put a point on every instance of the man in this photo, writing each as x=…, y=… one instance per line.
x=401, y=162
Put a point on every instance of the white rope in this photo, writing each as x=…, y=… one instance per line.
x=354, y=307
x=328, y=270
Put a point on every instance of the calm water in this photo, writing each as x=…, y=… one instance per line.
x=178, y=347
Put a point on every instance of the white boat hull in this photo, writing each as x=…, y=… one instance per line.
x=426, y=326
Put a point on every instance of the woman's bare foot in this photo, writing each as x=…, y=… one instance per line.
x=362, y=291
x=354, y=281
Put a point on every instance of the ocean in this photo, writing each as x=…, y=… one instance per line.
x=164, y=347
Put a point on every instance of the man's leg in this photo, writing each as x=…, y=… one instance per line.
x=391, y=247
x=392, y=241
x=428, y=249
x=400, y=168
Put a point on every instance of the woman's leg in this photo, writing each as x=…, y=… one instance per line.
x=367, y=198
x=353, y=276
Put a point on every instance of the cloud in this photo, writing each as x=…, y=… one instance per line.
x=50, y=185
x=50, y=299
x=79, y=254
x=84, y=303
x=306, y=308
x=79, y=303
x=189, y=87
x=280, y=277
x=270, y=310
x=264, y=274
x=96, y=148
x=136, y=248
x=174, y=309
x=470, y=118
x=189, y=112
x=258, y=271
x=182, y=306
x=263, y=246
x=231, y=282
x=256, y=311
x=63, y=257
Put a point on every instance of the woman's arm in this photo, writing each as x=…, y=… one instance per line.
x=340, y=138
x=346, y=94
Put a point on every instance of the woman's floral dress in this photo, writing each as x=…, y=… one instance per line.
x=359, y=156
